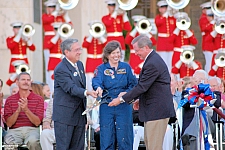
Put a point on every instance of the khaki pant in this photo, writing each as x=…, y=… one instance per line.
x=154, y=133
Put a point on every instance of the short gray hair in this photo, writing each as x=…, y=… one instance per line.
x=142, y=41
x=66, y=45
x=217, y=79
x=201, y=71
x=14, y=85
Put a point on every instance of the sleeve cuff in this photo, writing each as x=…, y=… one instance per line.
x=85, y=93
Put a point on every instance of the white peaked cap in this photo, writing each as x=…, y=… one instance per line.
x=162, y=3
x=209, y=12
x=92, y=22
x=181, y=15
x=188, y=47
x=56, y=24
x=206, y=5
x=110, y=1
x=16, y=24
x=138, y=17
x=50, y=3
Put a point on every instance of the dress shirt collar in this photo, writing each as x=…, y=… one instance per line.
x=70, y=62
x=147, y=55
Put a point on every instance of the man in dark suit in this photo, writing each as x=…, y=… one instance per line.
x=153, y=90
x=70, y=98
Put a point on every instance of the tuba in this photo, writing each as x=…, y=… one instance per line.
x=177, y=4
x=22, y=68
x=127, y=4
x=183, y=23
x=68, y=4
x=97, y=30
x=28, y=30
x=144, y=26
x=220, y=26
x=187, y=56
x=218, y=7
x=65, y=30
x=220, y=59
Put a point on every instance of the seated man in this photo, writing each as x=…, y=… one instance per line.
x=23, y=113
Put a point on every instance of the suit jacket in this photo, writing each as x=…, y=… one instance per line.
x=69, y=99
x=153, y=90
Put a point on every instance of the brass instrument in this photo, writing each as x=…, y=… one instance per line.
x=218, y=7
x=220, y=59
x=220, y=26
x=68, y=4
x=144, y=26
x=177, y=4
x=23, y=67
x=97, y=29
x=127, y=4
x=187, y=56
x=28, y=30
x=65, y=30
x=183, y=23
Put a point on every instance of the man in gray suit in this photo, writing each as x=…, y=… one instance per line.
x=70, y=98
x=154, y=93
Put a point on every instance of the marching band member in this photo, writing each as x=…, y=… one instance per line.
x=165, y=25
x=52, y=15
x=94, y=48
x=55, y=55
x=206, y=23
x=135, y=61
x=115, y=23
x=181, y=37
x=18, y=45
x=186, y=69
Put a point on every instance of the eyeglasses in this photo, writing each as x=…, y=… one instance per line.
x=77, y=49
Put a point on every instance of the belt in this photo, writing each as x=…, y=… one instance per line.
x=221, y=50
x=56, y=55
x=132, y=51
x=203, y=33
x=18, y=56
x=163, y=35
x=137, y=124
x=49, y=33
x=115, y=34
x=178, y=49
x=94, y=56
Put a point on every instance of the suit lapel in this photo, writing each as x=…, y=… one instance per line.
x=147, y=59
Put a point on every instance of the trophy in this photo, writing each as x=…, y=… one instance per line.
x=99, y=100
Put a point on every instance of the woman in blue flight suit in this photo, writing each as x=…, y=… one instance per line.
x=114, y=78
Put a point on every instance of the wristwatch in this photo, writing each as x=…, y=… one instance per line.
x=122, y=100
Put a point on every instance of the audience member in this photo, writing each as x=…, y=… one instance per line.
x=23, y=113
x=13, y=89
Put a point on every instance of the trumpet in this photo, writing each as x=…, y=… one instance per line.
x=220, y=26
x=220, y=59
x=68, y=4
x=183, y=23
x=218, y=7
x=28, y=30
x=177, y=4
x=65, y=30
x=97, y=29
x=187, y=56
x=127, y=4
x=144, y=26
x=23, y=67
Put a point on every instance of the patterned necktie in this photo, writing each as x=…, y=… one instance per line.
x=76, y=67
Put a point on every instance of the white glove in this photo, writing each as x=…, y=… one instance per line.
x=89, y=38
x=212, y=22
x=213, y=33
x=29, y=42
x=56, y=12
x=215, y=67
x=178, y=64
x=102, y=39
x=166, y=14
x=194, y=65
x=66, y=17
x=18, y=36
x=189, y=33
x=13, y=76
x=114, y=14
x=55, y=38
x=133, y=32
x=176, y=31
x=125, y=18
